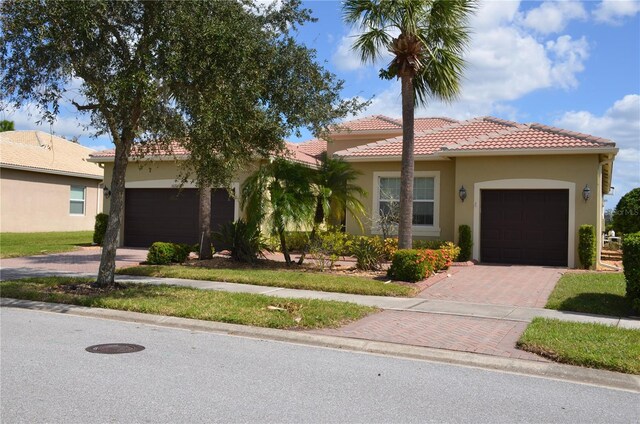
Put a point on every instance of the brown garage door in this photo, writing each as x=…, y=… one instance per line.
x=524, y=227
x=156, y=214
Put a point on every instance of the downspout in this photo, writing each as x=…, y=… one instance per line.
x=599, y=262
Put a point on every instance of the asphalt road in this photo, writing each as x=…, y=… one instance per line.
x=183, y=376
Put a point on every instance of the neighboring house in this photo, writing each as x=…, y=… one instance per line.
x=47, y=183
x=521, y=188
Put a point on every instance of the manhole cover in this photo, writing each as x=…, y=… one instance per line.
x=111, y=348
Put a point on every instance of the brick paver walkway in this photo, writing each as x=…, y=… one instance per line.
x=84, y=260
x=480, y=335
x=515, y=285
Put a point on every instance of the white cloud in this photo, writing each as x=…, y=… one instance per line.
x=553, y=16
x=345, y=58
x=570, y=56
x=614, y=11
x=621, y=124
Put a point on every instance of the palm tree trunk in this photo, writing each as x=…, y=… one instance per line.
x=205, y=223
x=405, y=233
x=283, y=247
x=107, y=269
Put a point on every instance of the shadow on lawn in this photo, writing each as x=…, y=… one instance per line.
x=599, y=304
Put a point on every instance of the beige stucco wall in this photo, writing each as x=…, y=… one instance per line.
x=577, y=170
x=445, y=207
x=35, y=202
x=159, y=174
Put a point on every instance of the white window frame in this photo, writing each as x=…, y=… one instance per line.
x=418, y=230
x=84, y=200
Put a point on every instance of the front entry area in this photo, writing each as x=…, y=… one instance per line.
x=524, y=226
x=170, y=215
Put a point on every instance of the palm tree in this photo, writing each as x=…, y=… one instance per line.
x=337, y=192
x=280, y=195
x=427, y=39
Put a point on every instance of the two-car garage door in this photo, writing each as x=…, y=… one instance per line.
x=159, y=214
x=524, y=227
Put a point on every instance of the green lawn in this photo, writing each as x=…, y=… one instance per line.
x=591, y=292
x=588, y=345
x=26, y=244
x=236, y=308
x=276, y=278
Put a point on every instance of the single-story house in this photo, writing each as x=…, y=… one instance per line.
x=47, y=183
x=524, y=189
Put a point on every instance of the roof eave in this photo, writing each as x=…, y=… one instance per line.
x=389, y=158
x=51, y=171
x=528, y=152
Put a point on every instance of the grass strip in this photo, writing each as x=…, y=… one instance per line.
x=235, y=308
x=591, y=292
x=276, y=278
x=585, y=344
x=26, y=244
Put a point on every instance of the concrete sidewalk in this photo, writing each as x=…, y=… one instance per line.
x=445, y=307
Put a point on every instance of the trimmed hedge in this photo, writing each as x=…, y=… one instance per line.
x=587, y=245
x=465, y=242
x=161, y=253
x=414, y=265
x=631, y=265
x=100, y=228
x=407, y=266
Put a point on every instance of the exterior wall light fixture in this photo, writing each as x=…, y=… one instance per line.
x=462, y=193
x=586, y=192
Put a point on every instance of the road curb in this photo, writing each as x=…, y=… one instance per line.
x=563, y=372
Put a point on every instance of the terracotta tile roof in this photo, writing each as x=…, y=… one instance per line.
x=370, y=123
x=39, y=151
x=482, y=134
x=313, y=147
x=176, y=150
x=425, y=124
x=532, y=136
x=428, y=142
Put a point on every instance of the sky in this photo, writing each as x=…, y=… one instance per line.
x=570, y=64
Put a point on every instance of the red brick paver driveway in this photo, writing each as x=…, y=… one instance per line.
x=516, y=285
x=84, y=260
x=469, y=334
x=527, y=286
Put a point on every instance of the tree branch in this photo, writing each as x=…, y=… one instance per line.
x=92, y=106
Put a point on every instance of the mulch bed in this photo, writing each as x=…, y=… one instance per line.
x=84, y=289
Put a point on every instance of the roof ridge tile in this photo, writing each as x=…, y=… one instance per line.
x=569, y=133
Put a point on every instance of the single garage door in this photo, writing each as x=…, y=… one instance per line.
x=524, y=227
x=159, y=214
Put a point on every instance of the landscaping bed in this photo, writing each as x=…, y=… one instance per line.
x=584, y=344
x=27, y=244
x=235, y=308
x=277, y=274
x=591, y=292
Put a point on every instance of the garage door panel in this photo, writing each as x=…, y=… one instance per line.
x=170, y=215
x=524, y=226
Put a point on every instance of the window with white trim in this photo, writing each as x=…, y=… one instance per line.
x=423, y=198
x=76, y=200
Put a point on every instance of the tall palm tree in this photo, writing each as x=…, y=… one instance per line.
x=280, y=195
x=427, y=39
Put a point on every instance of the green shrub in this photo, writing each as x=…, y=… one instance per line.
x=369, y=253
x=407, y=266
x=244, y=240
x=626, y=216
x=465, y=242
x=451, y=252
x=161, y=253
x=428, y=244
x=297, y=241
x=181, y=252
x=328, y=247
x=100, y=228
x=631, y=265
x=587, y=245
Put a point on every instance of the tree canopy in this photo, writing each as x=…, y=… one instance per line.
x=626, y=216
x=224, y=79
